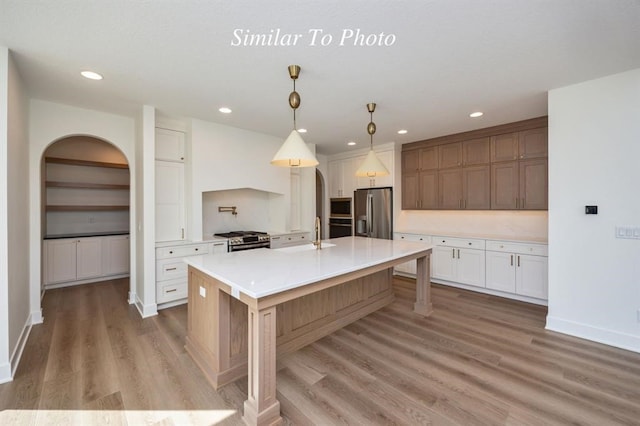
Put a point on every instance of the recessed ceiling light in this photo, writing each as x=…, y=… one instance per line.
x=476, y=114
x=302, y=130
x=91, y=75
x=225, y=110
x=351, y=143
x=402, y=132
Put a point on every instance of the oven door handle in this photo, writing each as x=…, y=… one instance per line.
x=241, y=247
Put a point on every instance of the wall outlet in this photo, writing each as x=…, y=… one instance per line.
x=203, y=292
x=627, y=232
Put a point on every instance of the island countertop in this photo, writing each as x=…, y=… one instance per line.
x=264, y=272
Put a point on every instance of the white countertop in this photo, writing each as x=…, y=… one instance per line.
x=479, y=236
x=263, y=272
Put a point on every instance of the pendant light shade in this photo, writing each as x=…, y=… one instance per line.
x=294, y=152
x=371, y=166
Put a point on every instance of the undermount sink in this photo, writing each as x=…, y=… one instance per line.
x=304, y=247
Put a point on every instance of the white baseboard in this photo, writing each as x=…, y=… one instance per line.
x=492, y=292
x=36, y=317
x=87, y=281
x=146, y=310
x=601, y=335
x=172, y=304
x=8, y=370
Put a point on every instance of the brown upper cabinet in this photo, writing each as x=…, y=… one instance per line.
x=500, y=168
x=420, y=179
x=532, y=144
x=519, y=145
x=450, y=155
x=475, y=152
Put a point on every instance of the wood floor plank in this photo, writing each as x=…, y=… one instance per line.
x=477, y=360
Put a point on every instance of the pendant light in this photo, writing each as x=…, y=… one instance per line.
x=294, y=152
x=371, y=167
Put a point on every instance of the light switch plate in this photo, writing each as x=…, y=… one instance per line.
x=203, y=292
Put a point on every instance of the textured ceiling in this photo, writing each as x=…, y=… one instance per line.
x=446, y=59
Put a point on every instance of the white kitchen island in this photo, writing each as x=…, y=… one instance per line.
x=247, y=307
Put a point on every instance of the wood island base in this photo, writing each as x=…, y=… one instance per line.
x=217, y=336
x=230, y=337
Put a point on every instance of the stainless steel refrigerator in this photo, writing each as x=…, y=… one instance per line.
x=374, y=213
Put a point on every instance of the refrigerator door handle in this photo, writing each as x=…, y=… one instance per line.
x=369, y=214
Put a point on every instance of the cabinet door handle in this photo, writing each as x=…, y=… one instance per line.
x=170, y=251
x=460, y=203
x=172, y=290
x=453, y=253
x=218, y=244
x=523, y=200
x=182, y=233
x=511, y=260
x=518, y=261
x=197, y=249
x=458, y=253
x=171, y=269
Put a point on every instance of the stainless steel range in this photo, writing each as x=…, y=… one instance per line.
x=246, y=240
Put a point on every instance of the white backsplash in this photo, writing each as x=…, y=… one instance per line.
x=492, y=223
x=253, y=208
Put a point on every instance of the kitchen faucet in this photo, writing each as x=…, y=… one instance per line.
x=317, y=240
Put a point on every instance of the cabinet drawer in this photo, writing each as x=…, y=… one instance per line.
x=168, y=269
x=288, y=240
x=412, y=237
x=519, y=248
x=167, y=292
x=458, y=242
x=182, y=251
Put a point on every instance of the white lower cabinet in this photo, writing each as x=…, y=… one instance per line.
x=517, y=268
x=116, y=254
x=409, y=268
x=512, y=269
x=89, y=258
x=459, y=260
x=78, y=260
x=172, y=271
x=60, y=260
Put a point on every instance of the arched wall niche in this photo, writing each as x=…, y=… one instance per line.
x=55, y=192
x=85, y=147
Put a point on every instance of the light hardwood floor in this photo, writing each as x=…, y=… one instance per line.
x=477, y=360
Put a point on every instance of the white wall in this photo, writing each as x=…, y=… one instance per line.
x=594, y=151
x=49, y=122
x=15, y=321
x=224, y=158
x=5, y=366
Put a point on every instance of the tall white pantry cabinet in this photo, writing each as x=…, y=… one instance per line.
x=170, y=185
